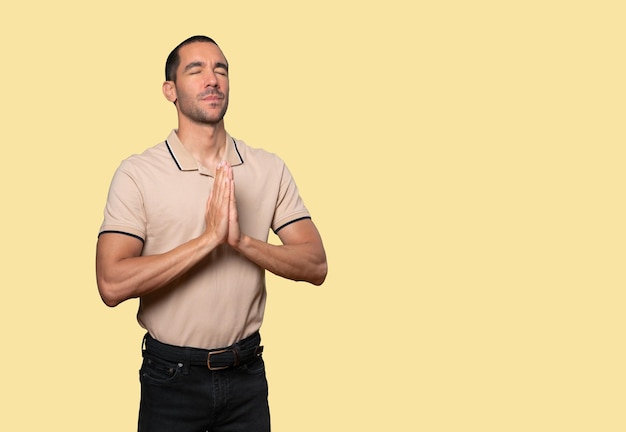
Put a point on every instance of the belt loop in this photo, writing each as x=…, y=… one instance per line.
x=186, y=365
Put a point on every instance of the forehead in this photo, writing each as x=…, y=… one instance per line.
x=205, y=52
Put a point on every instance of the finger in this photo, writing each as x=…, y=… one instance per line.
x=225, y=181
x=232, y=198
x=220, y=183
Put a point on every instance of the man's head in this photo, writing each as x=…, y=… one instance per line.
x=196, y=74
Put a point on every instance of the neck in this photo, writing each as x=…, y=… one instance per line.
x=205, y=142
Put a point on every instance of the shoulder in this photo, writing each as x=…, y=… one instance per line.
x=152, y=156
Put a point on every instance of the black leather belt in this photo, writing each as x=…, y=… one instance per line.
x=237, y=354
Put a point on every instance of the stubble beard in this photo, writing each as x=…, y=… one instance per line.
x=192, y=109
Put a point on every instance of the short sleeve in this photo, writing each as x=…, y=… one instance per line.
x=289, y=205
x=124, y=211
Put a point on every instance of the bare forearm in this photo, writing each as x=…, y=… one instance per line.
x=299, y=262
x=139, y=275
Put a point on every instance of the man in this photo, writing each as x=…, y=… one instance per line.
x=185, y=230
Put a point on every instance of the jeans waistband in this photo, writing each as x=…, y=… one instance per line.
x=237, y=354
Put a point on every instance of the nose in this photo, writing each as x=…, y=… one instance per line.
x=211, y=79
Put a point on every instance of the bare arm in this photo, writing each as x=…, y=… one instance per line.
x=122, y=273
x=301, y=256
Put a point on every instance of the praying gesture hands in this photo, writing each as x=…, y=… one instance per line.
x=221, y=211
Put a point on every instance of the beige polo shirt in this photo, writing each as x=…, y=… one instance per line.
x=160, y=197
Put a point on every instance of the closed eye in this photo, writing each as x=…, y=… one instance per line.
x=194, y=67
x=221, y=68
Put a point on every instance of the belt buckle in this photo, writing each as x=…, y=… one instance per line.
x=222, y=351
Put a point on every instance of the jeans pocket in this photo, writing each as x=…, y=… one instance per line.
x=159, y=371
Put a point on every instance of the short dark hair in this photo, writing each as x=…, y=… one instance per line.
x=173, y=60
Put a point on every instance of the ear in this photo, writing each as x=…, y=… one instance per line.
x=169, y=91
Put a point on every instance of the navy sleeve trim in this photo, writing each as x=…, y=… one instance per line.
x=289, y=223
x=122, y=232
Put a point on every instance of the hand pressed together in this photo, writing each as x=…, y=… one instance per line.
x=221, y=211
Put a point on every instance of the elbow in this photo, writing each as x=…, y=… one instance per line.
x=320, y=274
x=110, y=302
x=107, y=294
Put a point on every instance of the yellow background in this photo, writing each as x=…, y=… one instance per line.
x=464, y=162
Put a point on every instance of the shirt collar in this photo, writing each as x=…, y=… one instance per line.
x=186, y=162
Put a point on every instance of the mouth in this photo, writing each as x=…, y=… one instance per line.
x=211, y=97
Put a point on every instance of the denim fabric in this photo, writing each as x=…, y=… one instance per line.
x=178, y=397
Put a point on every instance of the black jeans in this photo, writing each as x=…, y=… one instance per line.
x=179, y=397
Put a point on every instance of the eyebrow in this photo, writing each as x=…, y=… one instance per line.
x=221, y=65
x=201, y=64
x=193, y=65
